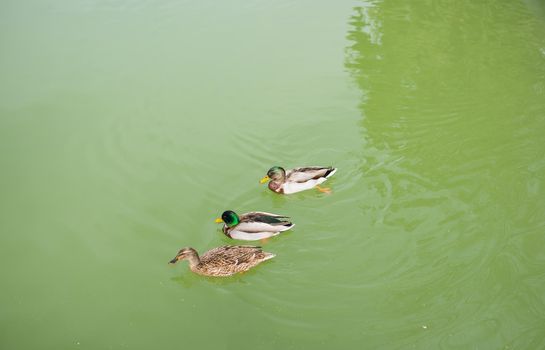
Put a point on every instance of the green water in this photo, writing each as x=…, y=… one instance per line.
x=126, y=127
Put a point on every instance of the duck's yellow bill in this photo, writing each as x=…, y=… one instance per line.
x=265, y=179
x=218, y=221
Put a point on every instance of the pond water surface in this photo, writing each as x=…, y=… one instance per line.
x=126, y=127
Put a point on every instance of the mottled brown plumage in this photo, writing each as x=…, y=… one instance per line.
x=223, y=261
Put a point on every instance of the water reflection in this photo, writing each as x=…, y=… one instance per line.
x=450, y=118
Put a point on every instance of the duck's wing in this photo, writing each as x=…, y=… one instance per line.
x=234, y=256
x=309, y=173
x=264, y=218
x=257, y=225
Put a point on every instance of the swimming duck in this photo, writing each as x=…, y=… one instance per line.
x=254, y=225
x=298, y=179
x=223, y=261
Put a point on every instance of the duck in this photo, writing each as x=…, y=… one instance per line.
x=298, y=179
x=254, y=225
x=223, y=261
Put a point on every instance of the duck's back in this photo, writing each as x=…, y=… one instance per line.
x=309, y=173
x=228, y=260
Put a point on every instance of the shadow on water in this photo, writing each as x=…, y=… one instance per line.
x=188, y=280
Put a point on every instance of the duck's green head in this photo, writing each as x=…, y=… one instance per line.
x=275, y=173
x=229, y=217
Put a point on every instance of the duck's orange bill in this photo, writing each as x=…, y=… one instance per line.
x=265, y=179
x=218, y=221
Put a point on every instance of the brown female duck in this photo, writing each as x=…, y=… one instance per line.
x=223, y=261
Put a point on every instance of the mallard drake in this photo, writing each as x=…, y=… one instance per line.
x=254, y=225
x=223, y=261
x=298, y=179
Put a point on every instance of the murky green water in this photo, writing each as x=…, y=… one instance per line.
x=127, y=127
